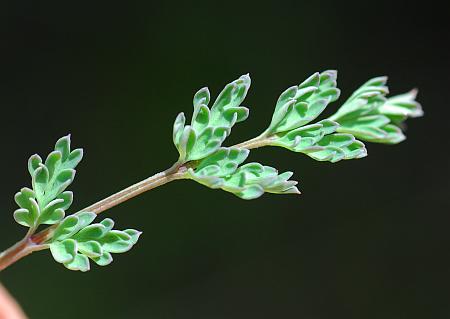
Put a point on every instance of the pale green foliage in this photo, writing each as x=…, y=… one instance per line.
x=219, y=167
x=249, y=181
x=301, y=104
x=76, y=240
x=47, y=201
x=317, y=141
x=367, y=114
x=400, y=107
x=222, y=163
x=372, y=117
x=210, y=127
x=298, y=106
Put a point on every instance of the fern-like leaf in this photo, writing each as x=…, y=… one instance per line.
x=76, y=241
x=210, y=127
x=47, y=202
x=369, y=115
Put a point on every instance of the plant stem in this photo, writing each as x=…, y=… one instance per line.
x=21, y=249
x=256, y=142
x=175, y=172
x=34, y=242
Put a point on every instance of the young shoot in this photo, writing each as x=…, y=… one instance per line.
x=76, y=241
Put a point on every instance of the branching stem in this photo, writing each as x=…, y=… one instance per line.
x=21, y=249
x=35, y=242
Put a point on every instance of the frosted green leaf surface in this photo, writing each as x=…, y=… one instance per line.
x=47, y=202
x=370, y=116
x=249, y=181
x=210, y=126
x=320, y=142
x=299, y=105
x=76, y=241
x=252, y=180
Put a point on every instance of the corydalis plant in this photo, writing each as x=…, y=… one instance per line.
x=74, y=241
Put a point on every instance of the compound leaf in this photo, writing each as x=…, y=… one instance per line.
x=75, y=236
x=249, y=181
x=210, y=126
x=370, y=116
x=49, y=180
x=299, y=105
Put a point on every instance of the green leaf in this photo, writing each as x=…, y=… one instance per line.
x=51, y=216
x=40, y=181
x=251, y=180
x=24, y=217
x=23, y=198
x=63, y=147
x=306, y=137
x=55, y=210
x=91, y=241
x=134, y=235
x=116, y=241
x=202, y=97
x=336, y=147
x=52, y=162
x=392, y=134
x=72, y=224
x=299, y=105
x=108, y=223
x=91, y=232
x=319, y=142
x=64, y=251
x=187, y=141
x=104, y=260
x=368, y=127
x=29, y=210
x=66, y=228
x=372, y=117
x=222, y=163
x=178, y=128
x=249, y=192
x=53, y=177
x=33, y=163
x=79, y=263
x=85, y=218
x=49, y=180
x=62, y=179
x=400, y=107
x=221, y=170
x=364, y=100
x=226, y=110
x=211, y=170
x=90, y=248
x=210, y=127
x=74, y=158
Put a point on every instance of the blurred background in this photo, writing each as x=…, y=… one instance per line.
x=367, y=238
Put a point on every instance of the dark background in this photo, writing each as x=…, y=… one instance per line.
x=367, y=239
